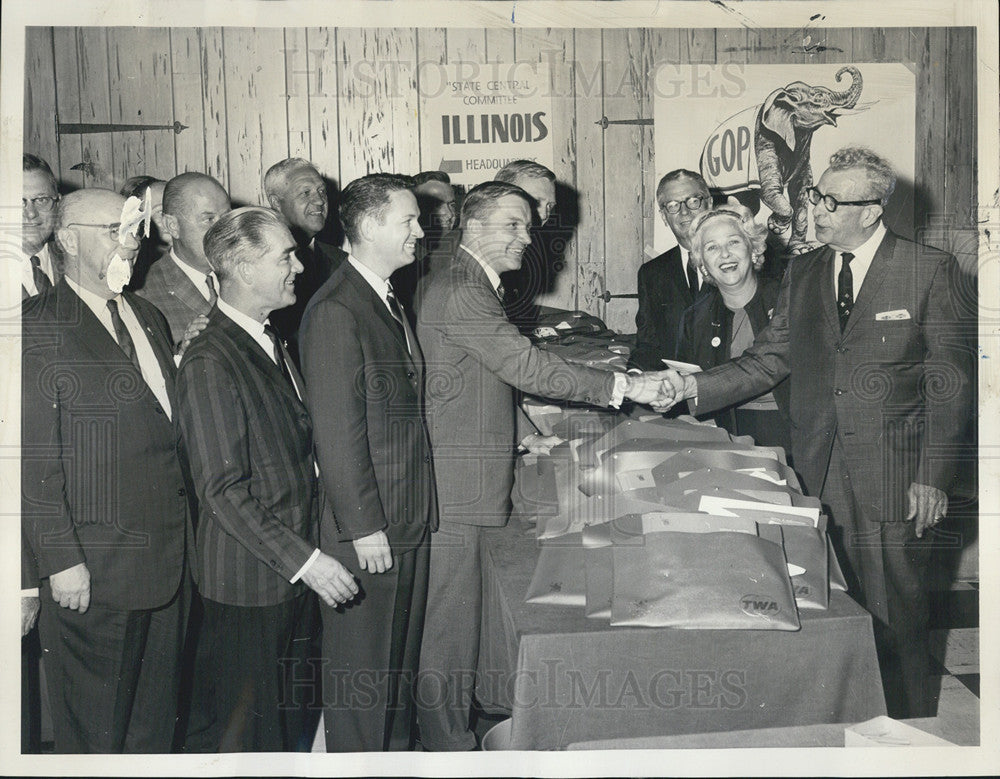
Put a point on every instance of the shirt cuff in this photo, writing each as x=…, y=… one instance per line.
x=305, y=567
x=30, y=593
x=618, y=393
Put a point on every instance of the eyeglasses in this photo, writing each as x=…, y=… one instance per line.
x=693, y=203
x=111, y=228
x=831, y=203
x=42, y=204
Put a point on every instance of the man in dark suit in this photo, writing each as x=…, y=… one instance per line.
x=105, y=497
x=39, y=198
x=867, y=329
x=364, y=377
x=476, y=358
x=182, y=283
x=523, y=285
x=670, y=282
x=295, y=189
x=251, y=446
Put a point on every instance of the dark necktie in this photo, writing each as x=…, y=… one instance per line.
x=692, y=279
x=396, y=311
x=213, y=295
x=42, y=283
x=278, y=353
x=122, y=334
x=845, y=290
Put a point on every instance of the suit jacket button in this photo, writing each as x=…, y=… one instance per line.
x=274, y=564
x=427, y=459
x=838, y=391
x=181, y=492
x=410, y=374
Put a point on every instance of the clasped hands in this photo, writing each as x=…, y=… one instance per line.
x=660, y=390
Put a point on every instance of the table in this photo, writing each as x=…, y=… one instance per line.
x=566, y=679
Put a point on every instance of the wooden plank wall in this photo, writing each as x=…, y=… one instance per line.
x=349, y=100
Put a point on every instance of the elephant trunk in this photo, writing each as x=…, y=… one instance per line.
x=849, y=97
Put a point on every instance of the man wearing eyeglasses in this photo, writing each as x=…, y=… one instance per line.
x=867, y=327
x=669, y=283
x=39, y=270
x=105, y=506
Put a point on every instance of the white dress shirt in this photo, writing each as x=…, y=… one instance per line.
x=44, y=262
x=255, y=330
x=381, y=287
x=862, y=261
x=152, y=374
x=197, y=277
x=686, y=260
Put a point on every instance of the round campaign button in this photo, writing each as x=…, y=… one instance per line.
x=716, y=341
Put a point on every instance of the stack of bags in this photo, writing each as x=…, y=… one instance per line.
x=582, y=338
x=671, y=522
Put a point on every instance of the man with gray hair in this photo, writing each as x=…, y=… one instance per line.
x=868, y=329
x=295, y=188
x=250, y=442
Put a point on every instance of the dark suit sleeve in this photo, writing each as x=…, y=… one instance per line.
x=477, y=325
x=646, y=348
x=46, y=518
x=758, y=369
x=214, y=423
x=333, y=366
x=948, y=377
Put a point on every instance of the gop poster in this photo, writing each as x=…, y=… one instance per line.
x=764, y=133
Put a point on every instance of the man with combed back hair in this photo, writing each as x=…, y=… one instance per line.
x=868, y=330
x=476, y=358
x=250, y=440
x=365, y=382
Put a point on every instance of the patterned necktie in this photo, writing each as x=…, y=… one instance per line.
x=845, y=290
x=396, y=311
x=692, y=274
x=122, y=334
x=501, y=292
x=278, y=353
x=42, y=283
x=213, y=296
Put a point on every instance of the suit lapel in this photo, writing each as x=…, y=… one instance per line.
x=828, y=295
x=678, y=274
x=873, y=280
x=91, y=335
x=182, y=288
x=256, y=356
x=365, y=292
x=161, y=348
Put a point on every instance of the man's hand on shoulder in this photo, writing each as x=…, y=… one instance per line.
x=374, y=554
x=71, y=588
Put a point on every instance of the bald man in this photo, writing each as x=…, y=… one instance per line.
x=105, y=494
x=182, y=283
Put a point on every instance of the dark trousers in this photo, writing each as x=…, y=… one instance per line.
x=767, y=428
x=31, y=703
x=113, y=676
x=371, y=649
x=886, y=567
x=449, y=653
x=240, y=694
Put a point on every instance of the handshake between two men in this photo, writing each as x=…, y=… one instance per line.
x=660, y=390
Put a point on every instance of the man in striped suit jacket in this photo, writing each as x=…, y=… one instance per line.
x=251, y=450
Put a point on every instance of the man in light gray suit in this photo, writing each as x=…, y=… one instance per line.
x=475, y=359
x=868, y=329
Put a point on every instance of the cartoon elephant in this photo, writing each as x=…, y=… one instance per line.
x=782, y=138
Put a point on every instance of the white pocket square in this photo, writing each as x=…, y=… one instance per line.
x=888, y=316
